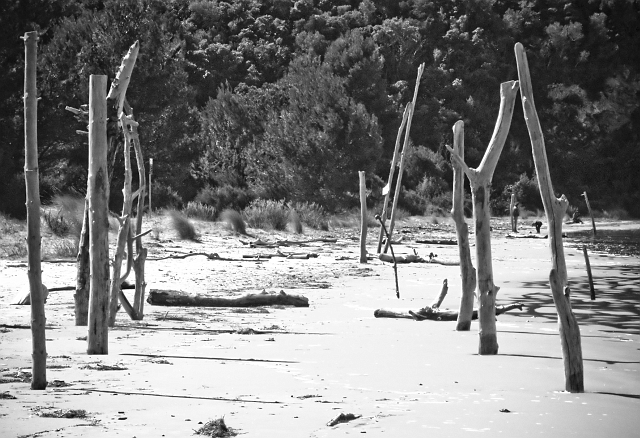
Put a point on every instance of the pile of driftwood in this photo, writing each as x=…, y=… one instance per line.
x=433, y=311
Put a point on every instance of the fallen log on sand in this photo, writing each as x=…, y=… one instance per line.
x=160, y=297
x=415, y=258
x=437, y=314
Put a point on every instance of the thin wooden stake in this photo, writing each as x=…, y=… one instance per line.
x=363, y=217
x=593, y=221
x=394, y=163
x=150, y=178
x=586, y=261
x=405, y=151
x=98, y=192
x=34, y=244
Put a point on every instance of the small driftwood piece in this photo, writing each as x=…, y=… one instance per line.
x=159, y=297
x=343, y=418
x=259, y=243
x=437, y=241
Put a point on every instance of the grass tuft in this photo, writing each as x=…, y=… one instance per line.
x=201, y=211
x=234, y=220
x=312, y=215
x=183, y=226
x=267, y=214
x=216, y=428
x=295, y=222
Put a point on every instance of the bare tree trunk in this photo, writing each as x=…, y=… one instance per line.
x=81, y=296
x=467, y=271
x=405, y=151
x=363, y=217
x=392, y=171
x=480, y=181
x=555, y=209
x=34, y=244
x=97, y=339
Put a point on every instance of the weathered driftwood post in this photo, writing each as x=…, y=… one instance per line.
x=98, y=193
x=405, y=151
x=117, y=94
x=480, y=180
x=555, y=209
x=81, y=297
x=467, y=271
x=593, y=221
x=363, y=218
x=34, y=244
x=394, y=162
x=514, y=219
x=150, y=178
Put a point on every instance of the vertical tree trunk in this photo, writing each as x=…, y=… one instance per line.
x=392, y=171
x=555, y=209
x=97, y=190
x=363, y=217
x=34, y=244
x=480, y=181
x=405, y=152
x=467, y=271
x=81, y=297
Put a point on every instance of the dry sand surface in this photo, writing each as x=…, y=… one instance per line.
x=167, y=375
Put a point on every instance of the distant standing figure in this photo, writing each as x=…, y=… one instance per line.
x=538, y=225
x=515, y=213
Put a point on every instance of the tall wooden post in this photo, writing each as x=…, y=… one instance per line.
x=98, y=193
x=480, y=180
x=81, y=297
x=34, y=244
x=514, y=219
x=150, y=178
x=555, y=209
x=363, y=217
x=394, y=162
x=467, y=271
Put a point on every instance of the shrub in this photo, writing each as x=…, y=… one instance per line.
x=267, y=214
x=296, y=223
x=225, y=197
x=56, y=223
x=311, y=214
x=527, y=194
x=65, y=215
x=182, y=226
x=200, y=211
x=163, y=196
x=234, y=220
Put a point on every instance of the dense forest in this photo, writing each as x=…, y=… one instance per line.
x=287, y=100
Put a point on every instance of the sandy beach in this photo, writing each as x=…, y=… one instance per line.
x=299, y=368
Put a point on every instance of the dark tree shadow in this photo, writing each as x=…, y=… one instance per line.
x=617, y=303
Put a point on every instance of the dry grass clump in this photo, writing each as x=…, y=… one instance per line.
x=64, y=215
x=295, y=222
x=216, y=428
x=311, y=214
x=234, y=220
x=267, y=214
x=183, y=226
x=199, y=210
x=63, y=248
x=63, y=413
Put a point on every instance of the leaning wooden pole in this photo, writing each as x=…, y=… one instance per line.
x=34, y=244
x=480, y=181
x=405, y=152
x=392, y=171
x=363, y=217
x=555, y=209
x=593, y=221
x=98, y=193
x=467, y=270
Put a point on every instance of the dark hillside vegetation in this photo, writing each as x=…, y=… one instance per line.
x=287, y=100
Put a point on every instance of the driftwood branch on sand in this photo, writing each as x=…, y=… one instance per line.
x=434, y=313
x=160, y=297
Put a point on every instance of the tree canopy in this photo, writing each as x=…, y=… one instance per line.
x=289, y=99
